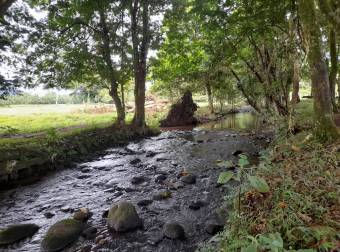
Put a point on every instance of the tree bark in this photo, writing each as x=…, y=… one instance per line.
x=325, y=127
x=140, y=46
x=296, y=81
x=334, y=67
x=250, y=101
x=106, y=53
x=210, y=97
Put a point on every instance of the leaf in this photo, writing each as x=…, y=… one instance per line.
x=243, y=161
x=224, y=164
x=250, y=248
x=224, y=177
x=259, y=184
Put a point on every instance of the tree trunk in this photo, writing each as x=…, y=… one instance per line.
x=140, y=46
x=210, y=97
x=118, y=104
x=122, y=95
x=325, y=127
x=296, y=81
x=334, y=67
x=250, y=101
x=106, y=52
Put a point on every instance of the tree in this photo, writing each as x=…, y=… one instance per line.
x=84, y=42
x=144, y=34
x=324, y=124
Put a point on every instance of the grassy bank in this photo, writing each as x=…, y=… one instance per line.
x=300, y=209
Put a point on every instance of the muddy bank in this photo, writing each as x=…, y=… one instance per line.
x=25, y=162
x=158, y=161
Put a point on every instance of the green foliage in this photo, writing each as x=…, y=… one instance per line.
x=259, y=184
x=224, y=177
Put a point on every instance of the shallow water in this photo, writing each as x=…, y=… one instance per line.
x=238, y=121
x=100, y=182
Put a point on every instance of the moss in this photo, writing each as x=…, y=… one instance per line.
x=62, y=234
x=15, y=233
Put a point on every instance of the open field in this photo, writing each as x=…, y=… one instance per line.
x=21, y=119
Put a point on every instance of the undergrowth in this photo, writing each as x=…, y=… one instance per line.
x=301, y=211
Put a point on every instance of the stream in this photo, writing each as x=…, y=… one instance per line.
x=99, y=183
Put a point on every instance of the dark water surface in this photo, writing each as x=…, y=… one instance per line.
x=99, y=183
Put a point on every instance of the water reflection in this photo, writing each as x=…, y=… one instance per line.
x=239, y=121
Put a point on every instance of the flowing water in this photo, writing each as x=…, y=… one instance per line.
x=99, y=183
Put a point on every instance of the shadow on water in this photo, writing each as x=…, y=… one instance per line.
x=238, y=121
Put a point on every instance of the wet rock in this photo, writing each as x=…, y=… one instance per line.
x=221, y=215
x=66, y=209
x=62, y=234
x=181, y=113
x=90, y=233
x=162, y=195
x=16, y=233
x=105, y=214
x=173, y=231
x=83, y=214
x=137, y=180
x=237, y=152
x=213, y=228
x=196, y=205
x=189, y=179
x=144, y=202
x=85, y=170
x=123, y=217
x=86, y=248
x=150, y=154
x=129, y=189
x=135, y=161
x=83, y=176
x=49, y=215
x=160, y=178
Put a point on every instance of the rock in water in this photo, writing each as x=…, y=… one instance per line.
x=213, y=228
x=83, y=214
x=174, y=231
x=181, y=113
x=15, y=233
x=189, y=179
x=61, y=234
x=123, y=217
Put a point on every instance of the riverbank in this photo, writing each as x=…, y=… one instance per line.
x=300, y=207
x=24, y=161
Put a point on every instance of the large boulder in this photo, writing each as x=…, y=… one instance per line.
x=123, y=217
x=62, y=234
x=15, y=233
x=181, y=113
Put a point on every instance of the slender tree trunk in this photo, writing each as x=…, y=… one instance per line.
x=122, y=95
x=210, y=97
x=250, y=101
x=296, y=81
x=323, y=116
x=334, y=66
x=106, y=52
x=140, y=46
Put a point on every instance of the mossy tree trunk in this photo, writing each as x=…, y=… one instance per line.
x=334, y=66
x=325, y=127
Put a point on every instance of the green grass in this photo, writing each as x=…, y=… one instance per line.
x=42, y=118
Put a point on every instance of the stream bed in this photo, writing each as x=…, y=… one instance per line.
x=99, y=183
